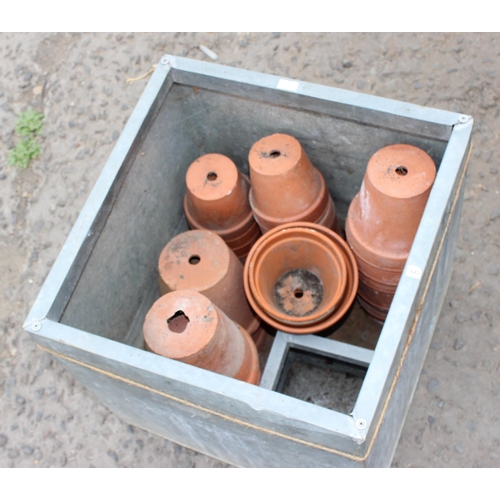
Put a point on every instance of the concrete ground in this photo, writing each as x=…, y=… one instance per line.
x=79, y=82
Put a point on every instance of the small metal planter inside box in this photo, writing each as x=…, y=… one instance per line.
x=90, y=310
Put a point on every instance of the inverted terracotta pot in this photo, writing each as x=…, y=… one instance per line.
x=217, y=199
x=301, y=278
x=200, y=260
x=383, y=219
x=285, y=186
x=188, y=327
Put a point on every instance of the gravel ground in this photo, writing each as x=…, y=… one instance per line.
x=78, y=82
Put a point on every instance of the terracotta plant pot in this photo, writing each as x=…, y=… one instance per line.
x=188, y=327
x=217, y=199
x=383, y=219
x=301, y=278
x=285, y=185
x=200, y=260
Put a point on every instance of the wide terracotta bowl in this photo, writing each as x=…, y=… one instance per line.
x=301, y=278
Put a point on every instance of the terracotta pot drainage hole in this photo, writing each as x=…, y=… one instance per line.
x=274, y=154
x=212, y=176
x=401, y=170
x=194, y=259
x=298, y=292
x=178, y=322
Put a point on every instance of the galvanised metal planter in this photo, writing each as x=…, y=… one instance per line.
x=136, y=207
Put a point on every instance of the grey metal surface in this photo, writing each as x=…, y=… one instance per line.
x=309, y=343
x=104, y=279
x=410, y=292
x=343, y=104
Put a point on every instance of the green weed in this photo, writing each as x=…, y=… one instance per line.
x=29, y=123
x=25, y=150
x=28, y=126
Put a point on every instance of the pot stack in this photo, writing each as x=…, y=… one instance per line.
x=286, y=188
x=301, y=278
x=217, y=200
x=201, y=261
x=383, y=219
x=299, y=275
x=188, y=327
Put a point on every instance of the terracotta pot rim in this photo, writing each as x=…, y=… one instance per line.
x=330, y=215
x=372, y=265
x=255, y=373
x=315, y=211
x=253, y=232
x=371, y=257
x=233, y=231
x=377, y=285
x=349, y=295
x=380, y=299
x=243, y=251
x=377, y=313
x=326, y=245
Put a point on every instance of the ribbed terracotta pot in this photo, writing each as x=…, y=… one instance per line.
x=200, y=260
x=188, y=327
x=217, y=199
x=285, y=185
x=301, y=278
x=383, y=219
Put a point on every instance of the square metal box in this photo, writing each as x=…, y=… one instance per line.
x=90, y=310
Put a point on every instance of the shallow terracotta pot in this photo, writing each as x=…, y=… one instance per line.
x=200, y=260
x=188, y=327
x=383, y=219
x=217, y=199
x=301, y=278
x=285, y=185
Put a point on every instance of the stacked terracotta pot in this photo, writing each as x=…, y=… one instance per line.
x=217, y=199
x=383, y=219
x=188, y=327
x=286, y=187
x=201, y=261
x=301, y=278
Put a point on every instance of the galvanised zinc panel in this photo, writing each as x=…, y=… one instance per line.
x=190, y=108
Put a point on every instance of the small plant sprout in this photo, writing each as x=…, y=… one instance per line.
x=28, y=125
